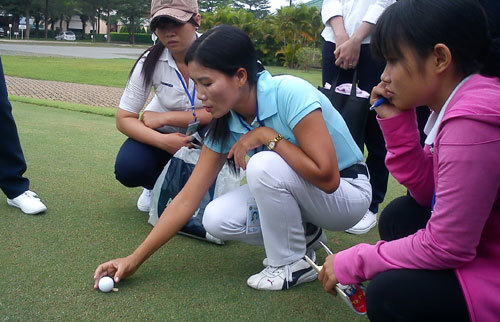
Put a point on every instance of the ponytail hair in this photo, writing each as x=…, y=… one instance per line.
x=461, y=25
x=226, y=49
x=152, y=54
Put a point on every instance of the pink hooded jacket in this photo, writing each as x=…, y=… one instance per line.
x=463, y=167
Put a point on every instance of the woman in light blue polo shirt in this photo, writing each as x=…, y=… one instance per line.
x=305, y=172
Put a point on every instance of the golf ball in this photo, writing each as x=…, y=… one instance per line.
x=106, y=284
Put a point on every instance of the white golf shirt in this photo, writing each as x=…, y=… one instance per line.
x=168, y=88
x=354, y=12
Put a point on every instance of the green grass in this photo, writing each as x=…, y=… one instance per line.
x=106, y=72
x=47, y=261
x=313, y=76
x=65, y=105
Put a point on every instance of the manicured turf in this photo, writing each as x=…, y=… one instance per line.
x=106, y=72
x=47, y=261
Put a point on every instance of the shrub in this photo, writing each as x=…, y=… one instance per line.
x=308, y=57
x=138, y=30
x=139, y=38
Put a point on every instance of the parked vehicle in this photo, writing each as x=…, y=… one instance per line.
x=2, y=32
x=66, y=35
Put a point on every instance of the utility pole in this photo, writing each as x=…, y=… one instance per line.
x=46, y=18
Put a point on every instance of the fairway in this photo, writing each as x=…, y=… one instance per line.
x=47, y=262
x=105, y=72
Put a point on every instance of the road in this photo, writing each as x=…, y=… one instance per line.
x=67, y=92
x=25, y=48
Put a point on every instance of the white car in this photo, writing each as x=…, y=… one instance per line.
x=67, y=35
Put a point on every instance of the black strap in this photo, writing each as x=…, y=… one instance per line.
x=353, y=83
x=353, y=171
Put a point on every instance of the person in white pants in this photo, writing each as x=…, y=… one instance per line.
x=285, y=202
x=305, y=171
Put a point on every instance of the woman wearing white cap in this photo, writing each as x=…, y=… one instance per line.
x=160, y=132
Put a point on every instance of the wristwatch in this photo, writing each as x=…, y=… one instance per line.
x=272, y=144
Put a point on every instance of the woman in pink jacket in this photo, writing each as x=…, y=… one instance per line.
x=439, y=257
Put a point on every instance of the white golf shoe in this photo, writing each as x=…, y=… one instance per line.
x=283, y=277
x=28, y=202
x=366, y=223
x=144, y=201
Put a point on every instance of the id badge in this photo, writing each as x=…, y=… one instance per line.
x=192, y=127
x=253, y=218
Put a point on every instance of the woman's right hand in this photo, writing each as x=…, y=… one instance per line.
x=172, y=142
x=385, y=110
x=118, y=269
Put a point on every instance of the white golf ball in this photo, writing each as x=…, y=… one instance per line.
x=106, y=284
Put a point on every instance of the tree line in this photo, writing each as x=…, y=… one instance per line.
x=277, y=37
x=132, y=13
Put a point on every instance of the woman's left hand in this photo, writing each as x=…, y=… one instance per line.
x=347, y=54
x=327, y=275
x=251, y=140
x=153, y=120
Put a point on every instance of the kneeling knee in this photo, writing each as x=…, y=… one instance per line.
x=261, y=168
x=212, y=220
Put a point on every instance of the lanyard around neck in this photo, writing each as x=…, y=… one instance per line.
x=258, y=118
x=190, y=97
x=248, y=127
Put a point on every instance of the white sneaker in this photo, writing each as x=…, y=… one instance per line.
x=283, y=277
x=144, y=201
x=366, y=223
x=28, y=202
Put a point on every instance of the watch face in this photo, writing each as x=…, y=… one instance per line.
x=272, y=144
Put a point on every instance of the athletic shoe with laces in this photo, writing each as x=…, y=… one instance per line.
x=312, y=242
x=283, y=277
x=144, y=201
x=366, y=223
x=28, y=202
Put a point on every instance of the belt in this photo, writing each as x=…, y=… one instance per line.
x=353, y=171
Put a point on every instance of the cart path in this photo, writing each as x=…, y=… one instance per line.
x=94, y=95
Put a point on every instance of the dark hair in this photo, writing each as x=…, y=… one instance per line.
x=155, y=51
x=148, y=67
x=226, y=49
x=492, y=9
x=421, y=24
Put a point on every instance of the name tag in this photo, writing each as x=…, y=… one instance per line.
x=192, y=127
x=253, y=218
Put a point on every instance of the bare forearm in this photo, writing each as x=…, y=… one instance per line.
x=311, y=161
x=182, y=118
x=182, y=207
x=337, y=24
x=135, y=129
x=315, y=158
x=322, y=176
x=364, y=30
x=166, y=227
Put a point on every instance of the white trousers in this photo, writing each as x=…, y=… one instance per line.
x=286, y=202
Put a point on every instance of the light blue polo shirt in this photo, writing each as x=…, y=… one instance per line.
x=282, y=102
